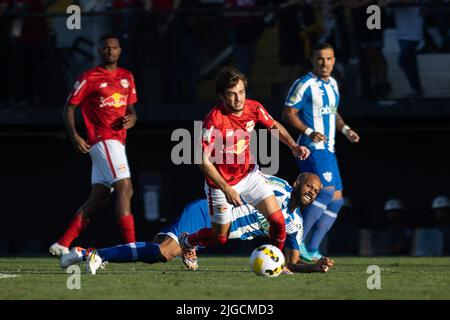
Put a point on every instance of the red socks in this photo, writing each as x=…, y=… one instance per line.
x=126, y=225
x=277, y=230
x=75, y=227
x=205, y=237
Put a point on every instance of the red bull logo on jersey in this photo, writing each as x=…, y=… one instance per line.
x=116, y=100
x=237, y=148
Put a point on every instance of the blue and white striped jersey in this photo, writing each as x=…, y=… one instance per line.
x=248, y=223
x=317, y=102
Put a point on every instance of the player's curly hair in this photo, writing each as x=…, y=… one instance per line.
x=229, y=77
x=108, y=36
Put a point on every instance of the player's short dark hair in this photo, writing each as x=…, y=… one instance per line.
x=321, y=46
x=228, y=78
x=108, y=36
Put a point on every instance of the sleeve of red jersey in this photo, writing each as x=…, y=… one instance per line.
x=208, y=133
x=264, y=117
x=81, y=89
x=132, y=96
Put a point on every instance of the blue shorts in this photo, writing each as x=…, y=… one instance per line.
x=324, y=164
x=194, y=217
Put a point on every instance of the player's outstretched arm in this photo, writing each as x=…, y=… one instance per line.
x=284, y=136
x=290, y=117
x=130, y=118
x=79, y=143
x=211, y=172
x=350, y=134
x=294, y=263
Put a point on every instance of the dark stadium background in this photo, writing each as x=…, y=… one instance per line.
x=403, y=153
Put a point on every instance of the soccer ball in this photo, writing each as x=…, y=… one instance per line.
x=267, y=260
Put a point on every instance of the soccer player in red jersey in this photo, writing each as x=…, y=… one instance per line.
x=106, y=95
x=227, y=163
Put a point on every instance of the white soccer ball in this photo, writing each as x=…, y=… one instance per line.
x=267, y=260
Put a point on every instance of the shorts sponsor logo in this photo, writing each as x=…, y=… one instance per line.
x=328, y=176
x=122, y=167
x=221, y=210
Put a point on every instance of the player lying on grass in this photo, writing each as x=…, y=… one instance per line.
x=247, y=223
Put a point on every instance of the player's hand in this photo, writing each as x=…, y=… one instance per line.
x=233, y=197
x=80, y=144
x=301, y=152
x=324, y=264
x=352, y=136
x=129, y=120
x=317, y=137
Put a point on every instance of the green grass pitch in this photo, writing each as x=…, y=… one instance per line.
x=227, y=278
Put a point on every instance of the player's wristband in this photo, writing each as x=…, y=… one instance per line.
x=308, y=131
x=345, y=129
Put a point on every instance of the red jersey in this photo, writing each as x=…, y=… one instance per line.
x=235, y=159
x=103, y=97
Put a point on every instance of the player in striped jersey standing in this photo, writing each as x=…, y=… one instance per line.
x=311, y=109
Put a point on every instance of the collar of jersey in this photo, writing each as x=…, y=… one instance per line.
x=100, y=68
x=318, y=79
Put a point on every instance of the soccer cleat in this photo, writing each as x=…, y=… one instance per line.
x=190, y=259
x=58, y=250
x=304, y=254
x=182, y=240
x=73, y=257
x=315, y=255
x=94, y=262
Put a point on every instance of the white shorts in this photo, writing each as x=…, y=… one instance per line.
x=109, y=162
x=253, y=189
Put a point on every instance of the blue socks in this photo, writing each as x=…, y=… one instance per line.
x=324, y=224
x=314, y=211
x=137, y=251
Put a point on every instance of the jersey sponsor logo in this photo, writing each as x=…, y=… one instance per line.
x=116, y=100
x=237, y=148
x=250, y=125
x=220, y=210
x=328, y=176
x=124, y=83
x=328, y=110
x=103, y=85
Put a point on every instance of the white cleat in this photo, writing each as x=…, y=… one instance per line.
x=73, y=257
x=94, y=262
x=190, y=259
x=58, y=250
